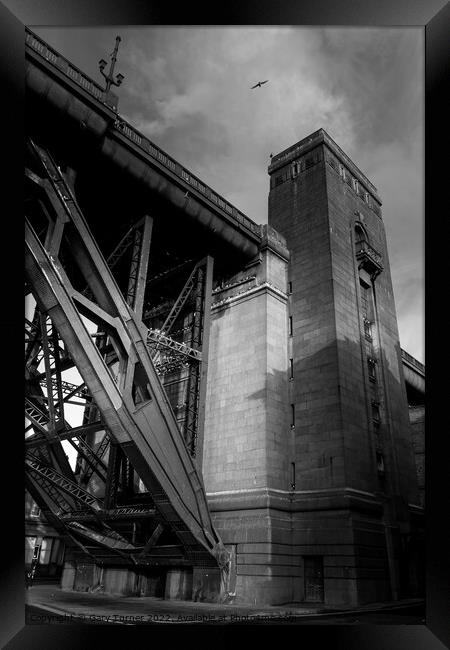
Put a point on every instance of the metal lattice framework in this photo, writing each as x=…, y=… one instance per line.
x=135, y=459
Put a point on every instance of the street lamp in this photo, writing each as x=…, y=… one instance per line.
x=110, y=81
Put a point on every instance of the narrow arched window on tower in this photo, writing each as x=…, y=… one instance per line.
x=292, y=476
x=360, y=236
x=380, y=463
x=369, y=259
x=371, y=364
x=375, y=412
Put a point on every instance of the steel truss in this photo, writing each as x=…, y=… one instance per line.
x=183, y=359
x=141, y=469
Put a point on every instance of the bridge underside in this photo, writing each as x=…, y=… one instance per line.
x=119, y=289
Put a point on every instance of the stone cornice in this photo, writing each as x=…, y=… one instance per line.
x=295, y=501
x=265, y=287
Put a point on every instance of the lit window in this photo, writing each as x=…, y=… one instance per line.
x=46, y=548
x=30, y=544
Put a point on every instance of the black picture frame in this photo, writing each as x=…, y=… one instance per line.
x=434, y=17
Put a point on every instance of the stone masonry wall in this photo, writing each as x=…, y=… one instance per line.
x=246, y=448
x=301, y=215
x=347, y=206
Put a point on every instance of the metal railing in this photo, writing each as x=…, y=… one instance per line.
x=363, y=247
x=90, y=86
x=53, y=57
x=411, y=360
x=158, y=154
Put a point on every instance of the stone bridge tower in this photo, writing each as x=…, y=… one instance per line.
x=355, y=511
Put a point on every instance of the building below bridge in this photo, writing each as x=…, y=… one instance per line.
x=44, y=548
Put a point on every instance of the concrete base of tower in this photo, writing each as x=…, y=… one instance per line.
x=293, y=554
x=264, y=590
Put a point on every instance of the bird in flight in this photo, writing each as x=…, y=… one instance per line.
x=259, y=84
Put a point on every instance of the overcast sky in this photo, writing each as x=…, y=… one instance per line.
x=188, y=90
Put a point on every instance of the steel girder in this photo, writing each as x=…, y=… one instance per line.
x=38, y=439
x=185, y=357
